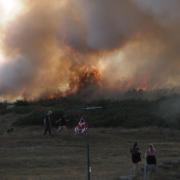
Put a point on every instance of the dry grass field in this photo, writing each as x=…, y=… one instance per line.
x=25, y=154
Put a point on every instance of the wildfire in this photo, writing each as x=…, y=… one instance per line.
x=61, y=47
x=89, y=76
x=85, y=79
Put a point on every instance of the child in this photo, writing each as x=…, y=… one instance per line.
x=81, y=127
x=61, y=124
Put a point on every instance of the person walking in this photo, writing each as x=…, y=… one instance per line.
x=48, y=123
x=135, y=157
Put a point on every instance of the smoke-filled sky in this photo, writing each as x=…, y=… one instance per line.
x=45, y=46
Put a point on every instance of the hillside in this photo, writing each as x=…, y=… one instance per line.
x=127, y=113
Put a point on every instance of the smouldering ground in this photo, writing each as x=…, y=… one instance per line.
x=26, y=155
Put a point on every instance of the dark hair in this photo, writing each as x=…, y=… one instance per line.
x=135, y=145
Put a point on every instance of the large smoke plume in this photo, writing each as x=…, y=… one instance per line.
x=131, y=43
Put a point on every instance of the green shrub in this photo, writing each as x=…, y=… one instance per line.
x=131, y=113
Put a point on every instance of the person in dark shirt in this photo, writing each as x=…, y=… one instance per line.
x=61, y=123
x=135, y=157
x=48, y=123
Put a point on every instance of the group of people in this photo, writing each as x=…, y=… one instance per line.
x=80, y=129
x=150, y=159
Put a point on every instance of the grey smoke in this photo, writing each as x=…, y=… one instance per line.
x=53, y=41
x=110, y=24
x=169, y=109
x=14, y=74
x=166, y=11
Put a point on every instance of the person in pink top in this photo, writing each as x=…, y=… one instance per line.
x=151, y=155
x=81, y=127
x=150, y=166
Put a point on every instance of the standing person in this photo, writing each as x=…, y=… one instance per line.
x=48, y=123
x=135, y=157
x=151, y=162
x=61, y=123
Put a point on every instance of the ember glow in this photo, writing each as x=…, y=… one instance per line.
x=57, y=48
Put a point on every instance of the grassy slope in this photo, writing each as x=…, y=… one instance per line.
x=126, y=113
x=26, y=154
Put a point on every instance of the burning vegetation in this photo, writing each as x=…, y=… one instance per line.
x=86, y=80
x=59, y=48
